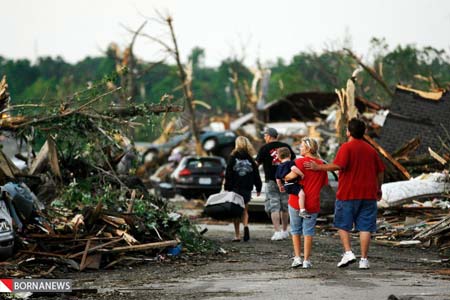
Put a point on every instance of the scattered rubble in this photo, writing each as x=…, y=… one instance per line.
x=96, y=212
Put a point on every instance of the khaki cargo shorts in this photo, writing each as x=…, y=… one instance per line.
x=275, y=201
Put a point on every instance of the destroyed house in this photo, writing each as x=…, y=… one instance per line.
x=305, y=106
x=413, y=114
x=297, y=108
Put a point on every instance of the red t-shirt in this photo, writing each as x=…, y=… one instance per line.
x=360, y=165
x=312, y=183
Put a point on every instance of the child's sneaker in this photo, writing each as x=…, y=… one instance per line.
x=307, y=264
x=347, y=258
x=297, y=262
x=364, y=263
x=304, y=214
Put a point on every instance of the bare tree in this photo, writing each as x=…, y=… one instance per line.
x=185, y=75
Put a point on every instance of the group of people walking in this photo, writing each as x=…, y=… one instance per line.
x=293, y=188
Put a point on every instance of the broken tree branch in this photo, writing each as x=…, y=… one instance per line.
x=371, y=72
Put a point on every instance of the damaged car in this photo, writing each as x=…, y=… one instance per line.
x=218, y=143
x=193, y=177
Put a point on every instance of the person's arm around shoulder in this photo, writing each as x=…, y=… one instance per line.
x=340, y=161
x=312, y=165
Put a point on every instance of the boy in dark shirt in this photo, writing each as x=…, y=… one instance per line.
x=292, y=186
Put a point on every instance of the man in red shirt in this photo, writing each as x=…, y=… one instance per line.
x=359, y=188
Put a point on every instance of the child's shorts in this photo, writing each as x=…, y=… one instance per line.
x=292, y=188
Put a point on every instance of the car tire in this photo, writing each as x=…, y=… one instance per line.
x=7, y=252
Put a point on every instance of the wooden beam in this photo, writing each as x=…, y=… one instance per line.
x=42, y=253
x=408, y=147
x=144, y=246
x=95, y=248
x=437, y=157
x=383, y=152
x=83, y=259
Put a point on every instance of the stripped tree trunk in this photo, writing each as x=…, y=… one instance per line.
x=186, y=85
x=347, y=107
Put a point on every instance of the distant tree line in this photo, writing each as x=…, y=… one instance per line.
x=53, y=79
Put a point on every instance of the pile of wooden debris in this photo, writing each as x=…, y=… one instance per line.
x=92, y=240
x=418, y=225
x=96, y=213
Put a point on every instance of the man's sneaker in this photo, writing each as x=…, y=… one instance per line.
x=364, y=263
x=297, y=262
x=347, y=258
x=307, y=264
x=277, y=236
x=246, y=234
x=304, y=214
x=284, y=234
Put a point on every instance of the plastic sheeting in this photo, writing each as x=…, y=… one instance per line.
x=425, y=185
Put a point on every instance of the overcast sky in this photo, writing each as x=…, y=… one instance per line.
x=267, y=29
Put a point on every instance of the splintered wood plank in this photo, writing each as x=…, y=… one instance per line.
x=42, y=253
x=96, y=248
x=40, y=159
x=83, y=259
x=53, y=158
x=144, y=246
x=392, y=160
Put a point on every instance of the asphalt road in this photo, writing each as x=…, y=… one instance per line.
x=260, y=269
